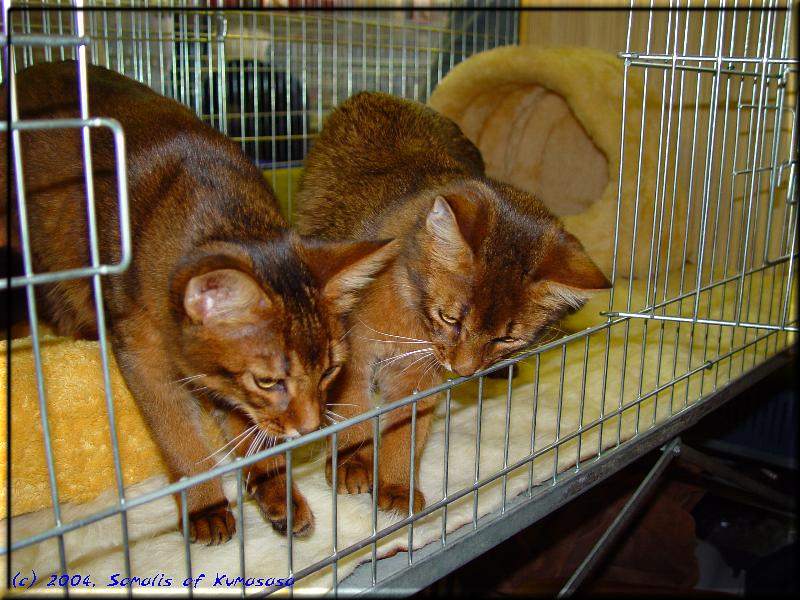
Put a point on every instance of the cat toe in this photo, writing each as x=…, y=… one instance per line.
x=394, y=497
x=274, y=511
x=212, y=526
x=302, y=524
x=352, y=476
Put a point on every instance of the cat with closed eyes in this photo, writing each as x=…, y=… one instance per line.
x=482, y=271
x=222, y=306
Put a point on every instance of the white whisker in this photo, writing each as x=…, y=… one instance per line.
x=232, y=450
x=346, y=333
x=399, y=337
x=189, y=378
x=421, y=358
x=394, y=341
x=335, y=414
x=418, y=359
x=186, y=380
x=222, y=448
x=434, y=363
x=254, y=443
x=403, y=355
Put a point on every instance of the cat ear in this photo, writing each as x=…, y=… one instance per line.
x=448, y=245
x=342, y=269
x=572, y=276
x=215, y=286
x=224, y=296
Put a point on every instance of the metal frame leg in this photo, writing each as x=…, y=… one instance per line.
x=640, y=495
x=622, y=520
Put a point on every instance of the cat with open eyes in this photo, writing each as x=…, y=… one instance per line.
x=222, y=305
x=483, y=269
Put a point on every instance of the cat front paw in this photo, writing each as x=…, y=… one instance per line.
x=270, y=496
x=353, y=474
x=394, y=497
x=212, y=525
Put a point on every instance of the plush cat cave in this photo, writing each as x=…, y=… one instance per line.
x=548, y=121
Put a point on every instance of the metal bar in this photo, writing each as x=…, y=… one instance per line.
x=122, y=194
x=334, y=509
x=583, y=399
x=289, y=515
x=240, y=527
x=560, y=406
x=621, y=521
x=27, y=259
x=533, y=422
x=507, y=431
x=445, y=469
x=94, y=250
x=187, y=545
x=709, y=58
x=47, y=41
x=411, y=464
x=376, y=437
x=703, y=321
x=478, y=416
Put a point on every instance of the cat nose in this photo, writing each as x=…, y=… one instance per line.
x=465, y=368
x=308, y=426
x=464, y=371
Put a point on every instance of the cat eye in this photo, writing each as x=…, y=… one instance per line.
x=505, y=340
x=268, y=383
x=448, y=318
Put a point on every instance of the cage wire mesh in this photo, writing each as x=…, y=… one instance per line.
x=715, y=230
x=268, y=78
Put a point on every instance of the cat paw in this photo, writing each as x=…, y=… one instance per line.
x=273, y=508
x=394, y=497
x=353, y=475
x=212, y=525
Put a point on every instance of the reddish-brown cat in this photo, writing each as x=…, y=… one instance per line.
x=483, y=269
x=223, y=304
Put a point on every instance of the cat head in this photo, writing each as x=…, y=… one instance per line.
x=489, y=270
x=262, y=323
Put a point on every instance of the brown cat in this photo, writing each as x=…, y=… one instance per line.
x=482, y=271
x=222, y=303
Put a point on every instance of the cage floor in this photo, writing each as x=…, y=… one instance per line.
x=643, y=357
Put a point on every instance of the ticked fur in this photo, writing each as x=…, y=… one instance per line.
x=483, y=269
x=222, y=305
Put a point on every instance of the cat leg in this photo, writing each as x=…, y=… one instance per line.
x=266, y=482
x=173, y=416
x=394, y=462
x=350, y=397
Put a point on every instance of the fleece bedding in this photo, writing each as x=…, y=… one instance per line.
x=642, y=356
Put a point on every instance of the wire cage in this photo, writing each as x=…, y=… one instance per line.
x=713, y=228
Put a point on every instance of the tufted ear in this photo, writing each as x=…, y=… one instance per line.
x=215, y=287
x=447, y=244
x=343, y=269
x=570, y=273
